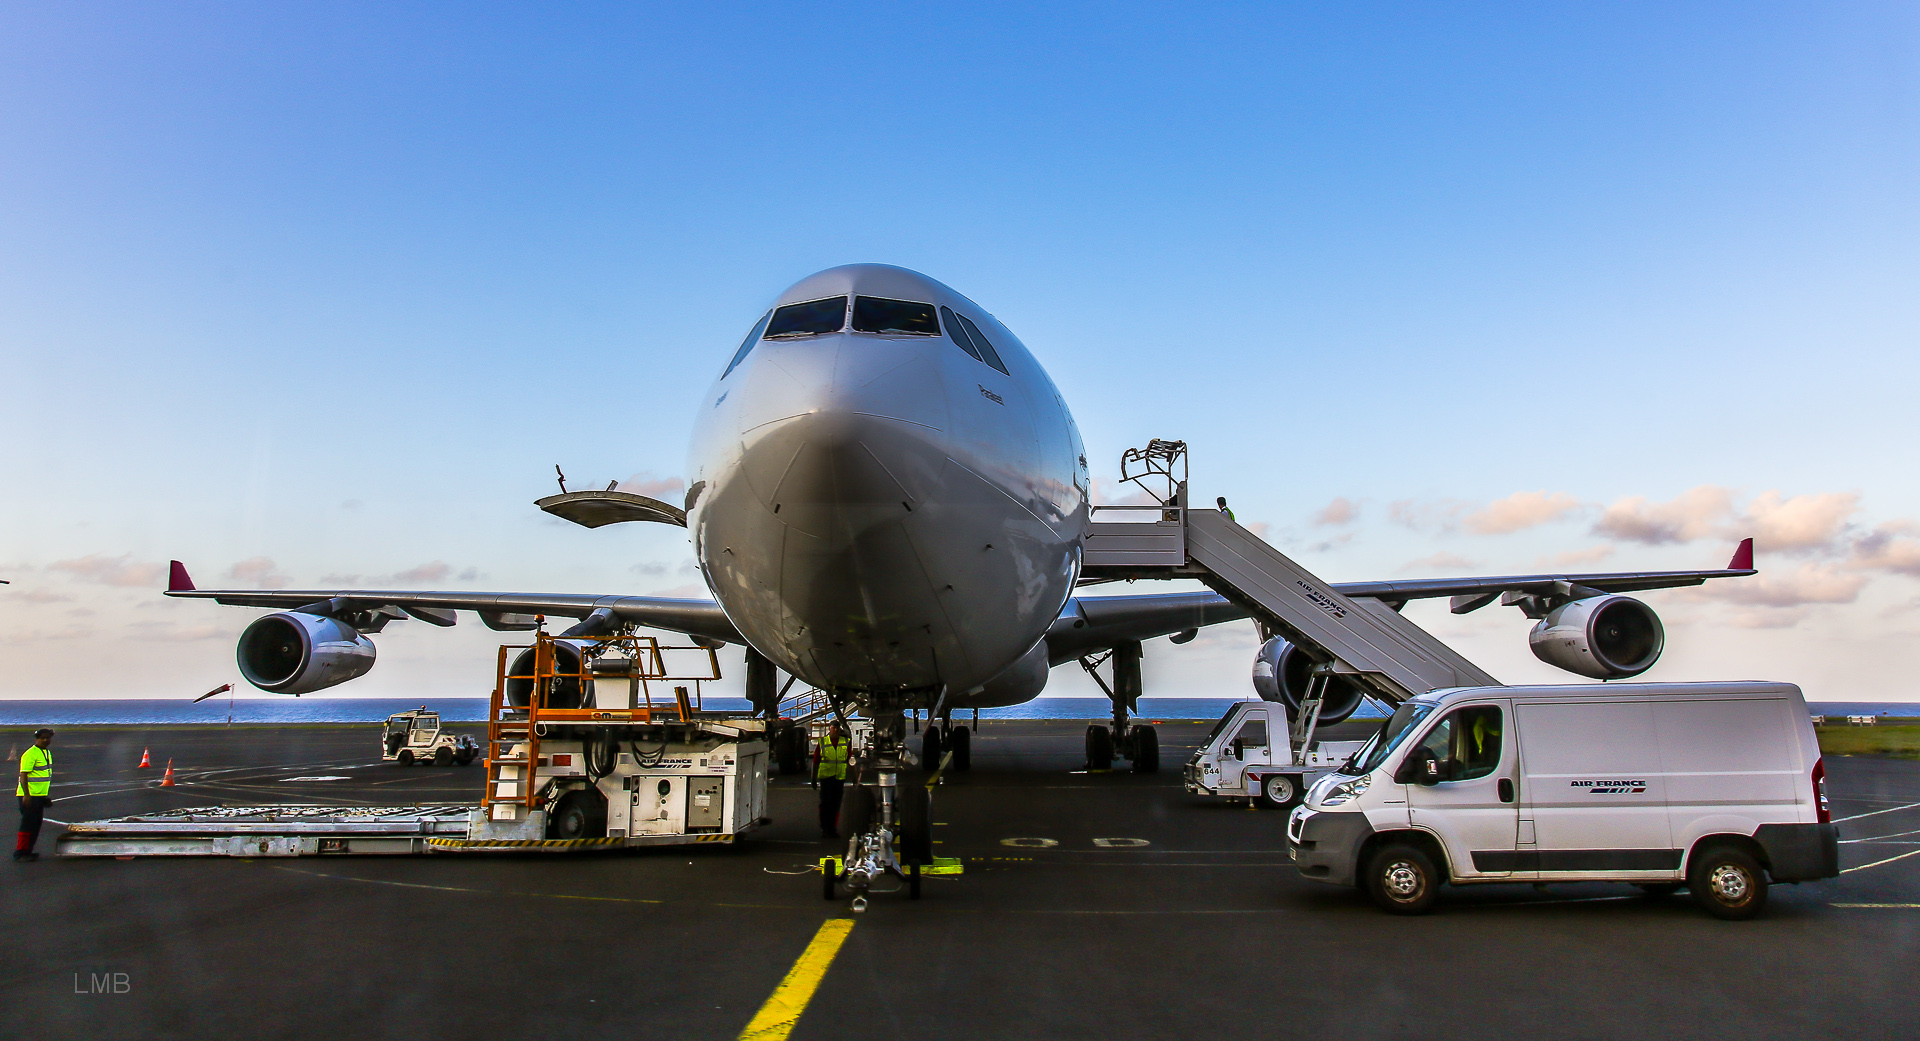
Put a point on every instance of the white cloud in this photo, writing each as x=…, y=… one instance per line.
x=1340, y=511
x=1806, y=584
x=112, y=571
x=1885, y=550
x=42, y=595
x=1693, y=514
x=1797, y=524
x=1519, y=511
x=170, y=632
x=260, y=572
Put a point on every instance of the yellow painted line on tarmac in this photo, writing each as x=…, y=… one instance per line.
x=1877, y=863
x=777, y=1018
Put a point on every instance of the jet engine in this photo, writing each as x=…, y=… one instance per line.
x=293, y=653
x=1605, y=637
x=563, y=690
x=1280, y=676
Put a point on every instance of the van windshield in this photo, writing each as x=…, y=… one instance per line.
x=1388, y=738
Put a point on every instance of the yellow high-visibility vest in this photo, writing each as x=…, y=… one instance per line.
x=37, y=764
x=833, y=760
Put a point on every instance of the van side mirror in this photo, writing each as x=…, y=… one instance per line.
x=1420, y=767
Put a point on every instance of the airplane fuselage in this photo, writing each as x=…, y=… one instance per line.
x=876, y=504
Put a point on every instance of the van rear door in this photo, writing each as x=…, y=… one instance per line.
x=1732, y=765
x=1592, y=790
x=1473, y=808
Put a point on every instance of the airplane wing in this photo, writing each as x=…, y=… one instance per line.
x=1094, y=623
x=506, y=612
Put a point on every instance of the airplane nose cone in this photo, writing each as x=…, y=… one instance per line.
x=849, y=546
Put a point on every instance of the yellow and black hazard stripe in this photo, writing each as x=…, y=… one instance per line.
x=474, y=844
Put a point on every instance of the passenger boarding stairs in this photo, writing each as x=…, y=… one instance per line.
x=1364, y=639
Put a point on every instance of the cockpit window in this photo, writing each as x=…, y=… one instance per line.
x=809, y=319
x=959, y=335
x=987, y=353
x=746, y=345
x=874, y=314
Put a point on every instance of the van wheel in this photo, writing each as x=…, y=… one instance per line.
x=1657, y=888
x=1729, y=883
x=1401, y=879
x=1280, y=792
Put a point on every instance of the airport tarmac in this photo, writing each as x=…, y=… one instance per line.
x=1202, y=931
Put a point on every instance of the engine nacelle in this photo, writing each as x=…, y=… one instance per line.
x=293, y=653
x=562, y=691
x=1605, y=637
x=1280, y=676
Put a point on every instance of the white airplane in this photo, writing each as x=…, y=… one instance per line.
x=888, y=499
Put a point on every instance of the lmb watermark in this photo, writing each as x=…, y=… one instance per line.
x=103, y=983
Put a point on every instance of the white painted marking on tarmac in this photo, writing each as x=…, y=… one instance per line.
x=1876, y=813
x=1873, y=905
x=1877, y=863
x=1121, y=843
x=1881, y=838
x=1030, y=843
x=318, y=777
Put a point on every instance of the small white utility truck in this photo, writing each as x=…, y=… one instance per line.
x=1715, y=786
x=415, y=736
x=1255, y=753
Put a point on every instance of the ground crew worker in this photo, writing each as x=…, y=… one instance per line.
x=35, y=792
x=830, y=773
x=1222, y=500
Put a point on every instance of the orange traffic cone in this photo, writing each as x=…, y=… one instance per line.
x=167, y=781
x=146, y=763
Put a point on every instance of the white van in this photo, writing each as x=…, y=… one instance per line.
x=1714, y=785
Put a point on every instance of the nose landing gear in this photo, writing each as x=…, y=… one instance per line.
x=887, y=817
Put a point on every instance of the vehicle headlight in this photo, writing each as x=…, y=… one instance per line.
x=1346, y=791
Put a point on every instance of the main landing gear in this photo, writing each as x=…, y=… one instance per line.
x=1137, y=743
x=943, y=738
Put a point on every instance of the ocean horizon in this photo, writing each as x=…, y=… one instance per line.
x=83, y=712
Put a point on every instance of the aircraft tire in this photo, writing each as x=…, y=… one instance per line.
x=913, y=882
x=1146, y=749
x=916, y=825
x=930, y=750
x=1099, y=748
x=856, y=809
x=960, y=739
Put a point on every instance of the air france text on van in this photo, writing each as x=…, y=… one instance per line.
x=1611, y=787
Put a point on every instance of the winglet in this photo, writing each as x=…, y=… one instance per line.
x=178, y=581
x=1742, y=557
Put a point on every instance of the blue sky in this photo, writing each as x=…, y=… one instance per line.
x=326, y=292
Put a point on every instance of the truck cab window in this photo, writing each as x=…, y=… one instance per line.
x=808, y=319
x=1466, y=743
x=1252, y=734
